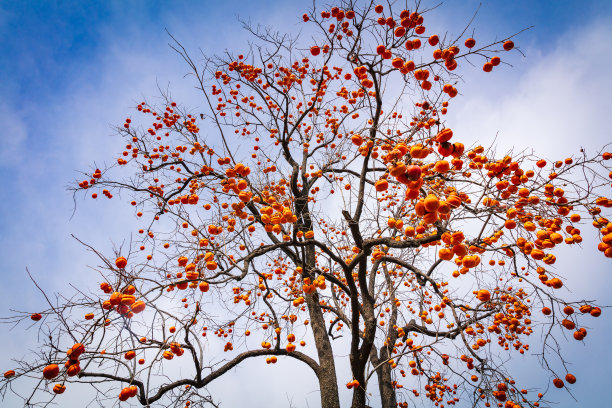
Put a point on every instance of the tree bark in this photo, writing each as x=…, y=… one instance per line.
x=359, y=397
x=328, y=383
x=383, y=372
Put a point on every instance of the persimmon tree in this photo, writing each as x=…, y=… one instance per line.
x=319, y=195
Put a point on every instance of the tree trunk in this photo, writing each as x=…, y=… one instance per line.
x=328, y=383
x=359, y=397
x=383, y=372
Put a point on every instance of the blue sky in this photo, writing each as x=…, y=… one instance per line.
x=71, y=70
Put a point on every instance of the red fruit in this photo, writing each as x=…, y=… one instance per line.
x=138, y=306
x=381, y=185
x=59, y=388
x=483, y=295
x=121, y=262
x=444, y=136
x=445, y=149
x=397, y=62
x=51, y=371
x=413, y=172
x=75, y=351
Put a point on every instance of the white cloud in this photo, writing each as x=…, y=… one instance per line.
x=554, y=105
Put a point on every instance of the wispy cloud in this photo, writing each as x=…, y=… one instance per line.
x=554, y=104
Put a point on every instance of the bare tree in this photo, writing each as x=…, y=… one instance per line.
x=325, y=192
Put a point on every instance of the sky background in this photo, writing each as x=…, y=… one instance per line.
x=71, y=70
